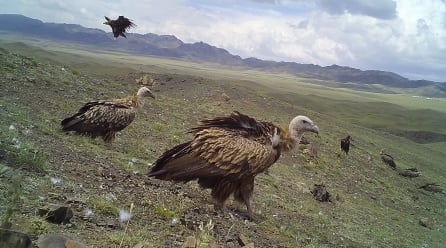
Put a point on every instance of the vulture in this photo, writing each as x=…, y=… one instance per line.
x=226, y=153
x=106, y=117
x=410, y=173
x=387, y=159
x=119, y=26
x=345, y=144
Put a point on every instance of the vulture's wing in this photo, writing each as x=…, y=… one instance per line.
x=224, y=146
x=124, y=24
x=96, y=116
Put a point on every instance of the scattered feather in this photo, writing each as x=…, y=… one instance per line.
x=56, y=180
x=174, y=221
x=124, y=215
x=88, y=212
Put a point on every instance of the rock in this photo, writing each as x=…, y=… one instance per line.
x=14, y=239
x=57, y=214
x=108, y=223
x=58, y=241
x=190, y=242
x=225, y=97
x=320, y=193
x=426, y=223
x=242, y=240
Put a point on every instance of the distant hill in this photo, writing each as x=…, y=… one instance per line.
x=170, y=46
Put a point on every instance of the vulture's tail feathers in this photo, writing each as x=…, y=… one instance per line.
x=179, y=165
x=71, y=123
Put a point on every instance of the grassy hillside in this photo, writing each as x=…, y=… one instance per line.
x=372, y=205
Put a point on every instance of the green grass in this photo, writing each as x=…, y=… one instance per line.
x=378, y=208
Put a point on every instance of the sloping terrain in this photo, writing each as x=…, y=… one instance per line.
x=372, y=206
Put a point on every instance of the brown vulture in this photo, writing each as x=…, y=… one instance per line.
x=226, y=153
x=106, y=117
x=120, y=25
x=345, y=144
x=387, y=159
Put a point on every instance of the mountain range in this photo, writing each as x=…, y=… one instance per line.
x=172, y=47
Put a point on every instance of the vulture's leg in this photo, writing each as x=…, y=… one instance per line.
x=221, y=206
x=244, y=194
x=221, y=192
x=109, y=136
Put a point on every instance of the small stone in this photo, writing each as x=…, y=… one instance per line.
x=14, y=239
x=426, y=223
x=58, y=240
x=242, y=240
x=225, y=97
x=320, y=193
x=56, y=213
x=190, y=242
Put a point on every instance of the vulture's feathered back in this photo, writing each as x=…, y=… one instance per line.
x=345, y=144
x=105, y=117
x=226, y=153
x=120, y=25
x=387, y=159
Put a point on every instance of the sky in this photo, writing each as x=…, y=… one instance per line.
x=407, y=37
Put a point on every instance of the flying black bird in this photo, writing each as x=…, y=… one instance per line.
x=120, y=25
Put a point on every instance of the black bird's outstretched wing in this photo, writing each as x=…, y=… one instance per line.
x=120, y=25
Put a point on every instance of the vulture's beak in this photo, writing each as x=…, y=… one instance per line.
x=315, y=129
x=149, y=93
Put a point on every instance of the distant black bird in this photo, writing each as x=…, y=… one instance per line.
x=387, y=159
x=120, y=25
x=345, y=144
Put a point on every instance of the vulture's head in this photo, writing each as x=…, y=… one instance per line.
x=301, y=124
x=144, y=91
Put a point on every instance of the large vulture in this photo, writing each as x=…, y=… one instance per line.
x=106, y=117
x=387, y=159
x=345, y=144
x=226, y=153
x=119, y=26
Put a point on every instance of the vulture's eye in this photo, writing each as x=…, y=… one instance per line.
x=304, y=121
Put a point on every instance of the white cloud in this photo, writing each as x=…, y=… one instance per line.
x=404, y=36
